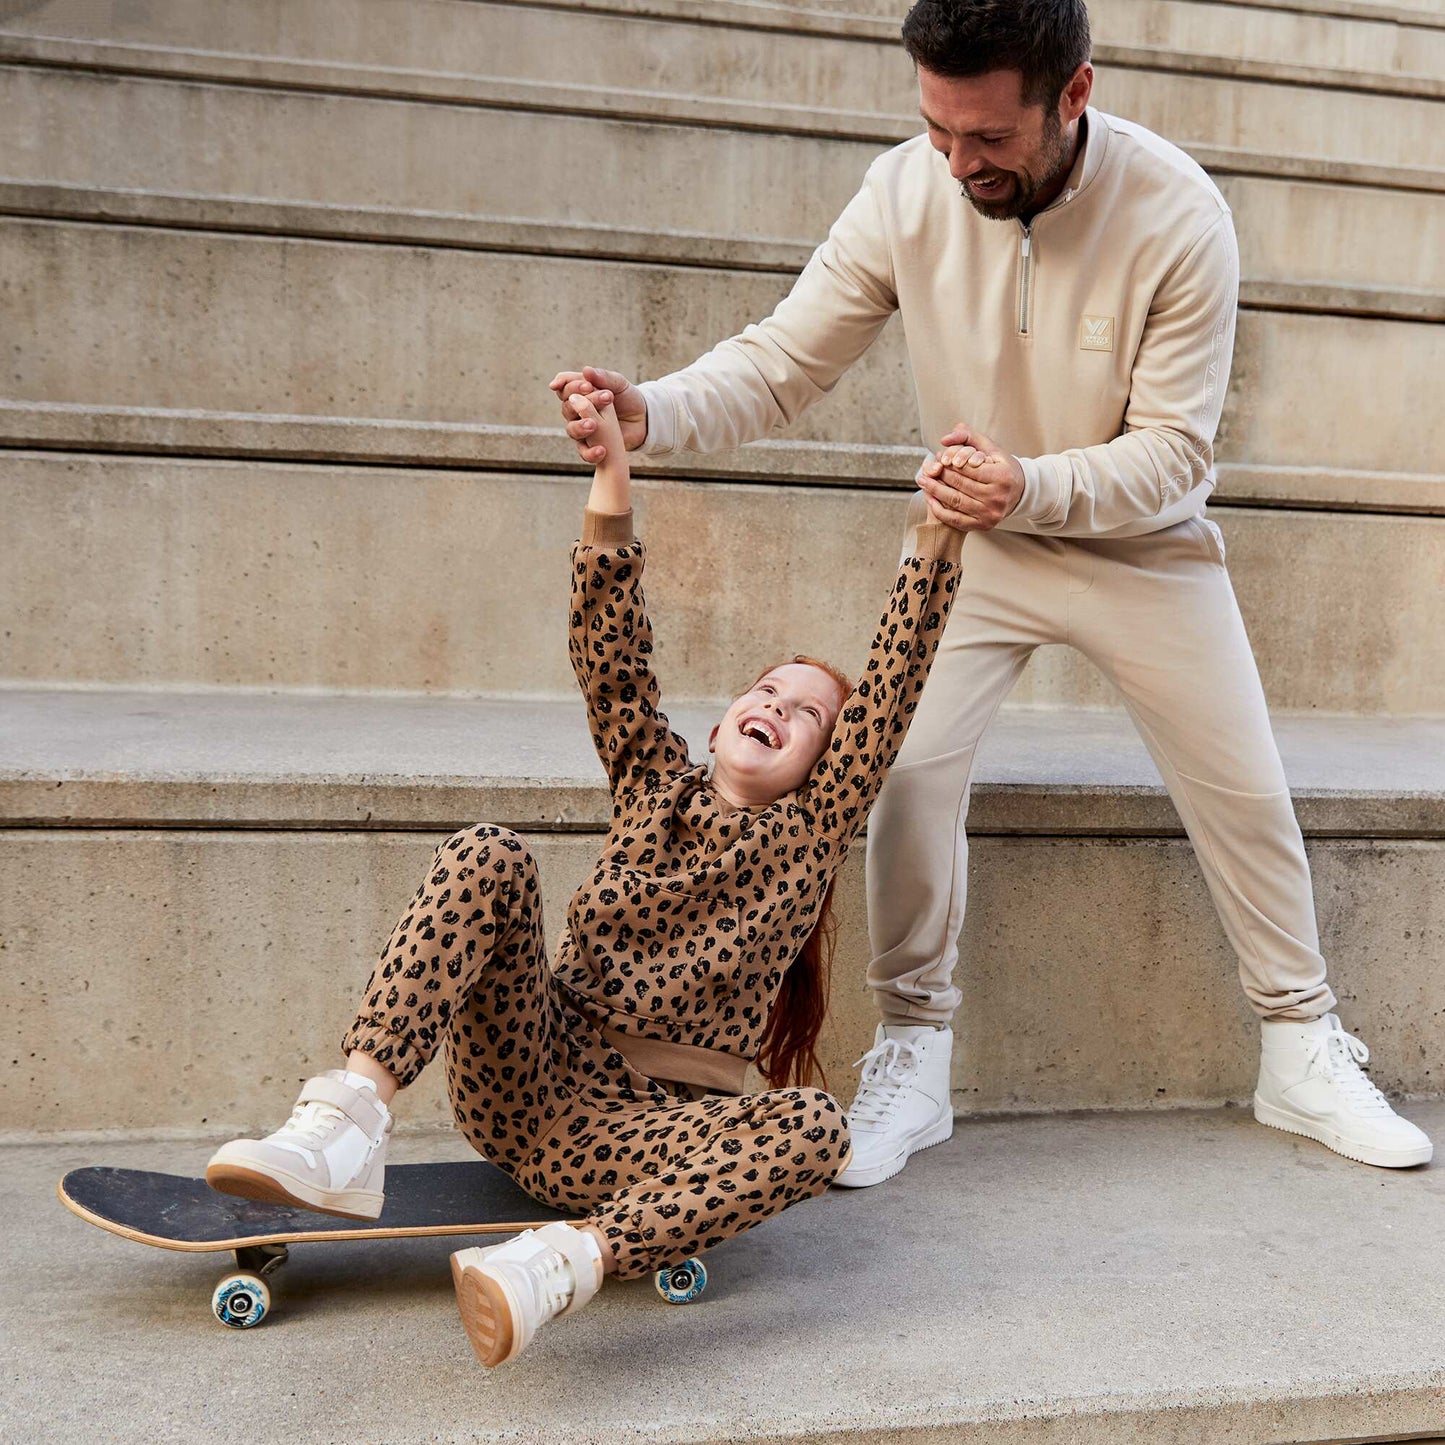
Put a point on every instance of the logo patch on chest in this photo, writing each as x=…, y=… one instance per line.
x=1096, y=333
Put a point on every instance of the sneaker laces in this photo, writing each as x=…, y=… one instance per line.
x=1338, y=1056
x=556, y=1280
x=310, y=1126
x=888, y=1069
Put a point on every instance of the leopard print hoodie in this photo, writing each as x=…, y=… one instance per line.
x=677, y=944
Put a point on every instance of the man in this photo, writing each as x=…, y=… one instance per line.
x=1068, y=281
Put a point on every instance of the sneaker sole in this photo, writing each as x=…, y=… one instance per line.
x=1278, y=1118
x=488, y=1312
x=936, y=1133
x=247, y=1182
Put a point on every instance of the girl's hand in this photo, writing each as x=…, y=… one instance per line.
x=607, y=387
x=606, y=430
x=612, y=481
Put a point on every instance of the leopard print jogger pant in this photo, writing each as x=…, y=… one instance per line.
x=535, y=1088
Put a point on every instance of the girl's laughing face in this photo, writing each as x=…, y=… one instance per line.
x=771, y=736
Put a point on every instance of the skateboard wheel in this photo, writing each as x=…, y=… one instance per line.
x=681, y=1283
x=241, y=1301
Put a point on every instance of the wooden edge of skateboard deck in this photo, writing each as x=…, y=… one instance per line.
x=321, y=1236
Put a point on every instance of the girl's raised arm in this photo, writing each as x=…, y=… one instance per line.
x=874, y=718
x=610, y=634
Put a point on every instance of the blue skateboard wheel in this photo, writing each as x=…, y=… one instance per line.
x=680, y=1284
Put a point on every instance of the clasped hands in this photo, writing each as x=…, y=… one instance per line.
x=971, y=483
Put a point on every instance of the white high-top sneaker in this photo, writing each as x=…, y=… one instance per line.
x=1311, y=1083
x=330, y=1155
x=507, y=1292
x=903, y=1102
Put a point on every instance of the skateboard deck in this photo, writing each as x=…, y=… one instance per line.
x=175, y=1212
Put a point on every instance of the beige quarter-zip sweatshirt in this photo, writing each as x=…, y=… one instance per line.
x=1093, y=343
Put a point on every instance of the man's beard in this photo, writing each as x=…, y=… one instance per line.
x=1053, y=164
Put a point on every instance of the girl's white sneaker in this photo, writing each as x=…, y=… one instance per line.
x=507, y=1292
x=330, y=1155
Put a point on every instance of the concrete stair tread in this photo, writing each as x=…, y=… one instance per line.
x=1092, y=1279
x=139, y=759
x=450, y=45
x=159, y=431
x=409, y=226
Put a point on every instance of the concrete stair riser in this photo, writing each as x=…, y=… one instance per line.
x=1241, y=125
x=130, y=316
x=201, y=976
x=781, y=193
x=812, y=50
x=258, y=575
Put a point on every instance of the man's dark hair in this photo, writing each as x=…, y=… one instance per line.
x=1046, y=41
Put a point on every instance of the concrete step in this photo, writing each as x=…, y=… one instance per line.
x=232, y=863
x=1075, y=1281
x=605, y=65
x=773, y=56
x=262, y=324
x=233, y=157
x=1091, y=1280
x=225, y=574
x=473, y=446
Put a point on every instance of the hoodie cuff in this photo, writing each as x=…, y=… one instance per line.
x=1042, y=500
x=607, y=529
x=938, y=542
x=661, y=421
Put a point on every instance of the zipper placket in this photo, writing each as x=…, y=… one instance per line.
x=1026, y=266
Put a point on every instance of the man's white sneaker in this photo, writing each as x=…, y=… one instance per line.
x=507, y=1292
x=1311, y=1083
x=330, y=1155
x=903, y=1102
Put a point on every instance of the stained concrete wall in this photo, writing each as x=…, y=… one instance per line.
x=245, y=574
x=183, y=979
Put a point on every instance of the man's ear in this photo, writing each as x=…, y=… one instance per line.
x=712, y=738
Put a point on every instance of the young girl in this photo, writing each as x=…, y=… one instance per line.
x=610, y=1082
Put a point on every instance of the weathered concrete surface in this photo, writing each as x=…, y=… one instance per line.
x=768, y=67
x=361, y=166
x=448, y=36
x=233, y=574
x=131, y=759
x=260, y=324
x=160, y=978
x=156, y=431
x=1189, y=1279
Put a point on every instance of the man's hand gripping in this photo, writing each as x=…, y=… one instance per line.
x=972, y=483
x=604, y=388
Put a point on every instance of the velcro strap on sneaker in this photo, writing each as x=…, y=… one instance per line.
x=366, y=1113
x=581, y=1252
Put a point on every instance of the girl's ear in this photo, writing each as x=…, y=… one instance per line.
x=712, y=738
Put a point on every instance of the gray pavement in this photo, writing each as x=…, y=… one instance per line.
x=345, y=759
x=1168, y=1277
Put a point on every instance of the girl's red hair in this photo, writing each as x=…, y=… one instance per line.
x=788, y=1054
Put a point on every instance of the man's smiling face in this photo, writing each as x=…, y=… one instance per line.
x=772, y=735
x=1010, y=158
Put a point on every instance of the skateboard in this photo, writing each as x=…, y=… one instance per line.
x=175, y=1212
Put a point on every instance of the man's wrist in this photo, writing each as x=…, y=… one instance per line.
x=660, y=423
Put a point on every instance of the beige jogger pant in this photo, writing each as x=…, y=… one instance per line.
x=1157, y=615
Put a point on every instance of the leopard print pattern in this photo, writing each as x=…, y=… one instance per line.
x=536, y=1089
x=695, y=909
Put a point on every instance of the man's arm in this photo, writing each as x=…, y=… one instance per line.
x=764, y=378
x=1176, y=393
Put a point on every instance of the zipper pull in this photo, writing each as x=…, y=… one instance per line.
x=1025, y=245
